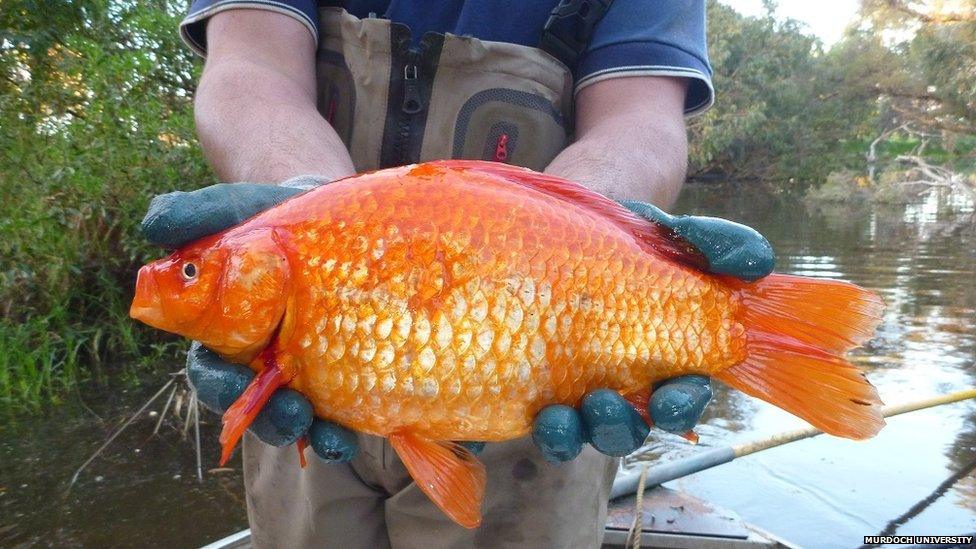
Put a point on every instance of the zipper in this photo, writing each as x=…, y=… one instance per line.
x=501, y=148
x=412, y=105
x=412, y=74
x=413, y=101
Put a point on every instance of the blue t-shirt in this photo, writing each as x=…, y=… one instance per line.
x=634, y=38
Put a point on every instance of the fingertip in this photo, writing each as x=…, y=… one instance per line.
x=614, y=427
x=677, y=406
x=753, y=260
x=285, y=418
x=731, y=248
x=332, y=442
x=217, y=383
x=558, y=433
x=159, y=224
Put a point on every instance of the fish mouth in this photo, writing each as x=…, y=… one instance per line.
x=147, y=307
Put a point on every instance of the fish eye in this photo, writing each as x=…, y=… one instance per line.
x=189, y=271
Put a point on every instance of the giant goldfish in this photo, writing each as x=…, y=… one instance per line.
x=453, y=300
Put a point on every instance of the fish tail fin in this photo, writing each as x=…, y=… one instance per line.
x=797, y=331
x=246, y=408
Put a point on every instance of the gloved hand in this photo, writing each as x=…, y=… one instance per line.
x=605, y=419
x=608, y=421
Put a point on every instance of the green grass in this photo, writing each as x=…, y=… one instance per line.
x=67, y=273
x=39, y=364
x=43, y=358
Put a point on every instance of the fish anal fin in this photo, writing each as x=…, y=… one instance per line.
x=277, y=371
x=450, y=475
x=653, y=237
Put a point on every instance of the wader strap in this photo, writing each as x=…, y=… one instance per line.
x=569, y=28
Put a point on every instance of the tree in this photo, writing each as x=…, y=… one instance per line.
x=776, y=114
x=935, y=85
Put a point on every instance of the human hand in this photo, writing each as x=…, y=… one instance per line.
x=608, y=421
x=175, y=219
x=287, y=416
x=729, y=247
x=612, y=424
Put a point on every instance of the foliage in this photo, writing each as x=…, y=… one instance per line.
x=942, y=53
x=95, y=110
x=840, y=186
x=788, y=109
x=769, y=120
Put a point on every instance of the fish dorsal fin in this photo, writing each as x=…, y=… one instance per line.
x=448, y=473
x=653, y=237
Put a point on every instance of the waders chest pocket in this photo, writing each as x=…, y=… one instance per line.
x=511, y=126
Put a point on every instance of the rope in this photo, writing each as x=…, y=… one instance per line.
x=627, y=483
x=637, y=527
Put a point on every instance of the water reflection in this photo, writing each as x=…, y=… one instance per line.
x=922, y=259
x=142, y=492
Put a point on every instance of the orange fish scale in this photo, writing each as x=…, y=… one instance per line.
x=415, y=305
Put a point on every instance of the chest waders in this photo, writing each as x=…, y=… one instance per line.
x=450, y=97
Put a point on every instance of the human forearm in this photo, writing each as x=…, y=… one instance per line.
x=249, y=132
x=626, y=168
x=255, y=106
x=631, y=141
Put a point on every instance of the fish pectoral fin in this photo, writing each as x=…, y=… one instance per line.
x=450, y=475
x=278, y=370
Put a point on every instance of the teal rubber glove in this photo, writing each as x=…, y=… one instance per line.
x=605, y=419
x=729, y=247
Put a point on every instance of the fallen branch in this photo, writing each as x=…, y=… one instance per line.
x=938, y=176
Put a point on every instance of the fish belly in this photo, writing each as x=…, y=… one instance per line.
x=460, y=310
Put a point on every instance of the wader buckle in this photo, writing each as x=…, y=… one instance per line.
x=576, y=20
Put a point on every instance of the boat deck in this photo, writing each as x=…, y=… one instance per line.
x=677, y=520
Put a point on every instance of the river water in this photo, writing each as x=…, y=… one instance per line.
x=821, y=492
x=830, y=492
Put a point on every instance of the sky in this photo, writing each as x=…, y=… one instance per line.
x=824, y=18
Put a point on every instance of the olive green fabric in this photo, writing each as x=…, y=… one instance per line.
x=480, y=91
x=371, y=502
x=353, y=71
